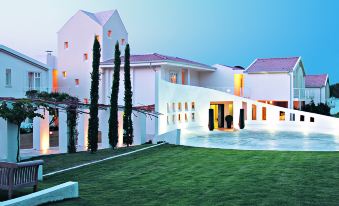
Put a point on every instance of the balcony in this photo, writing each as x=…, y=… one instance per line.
x=303, y=94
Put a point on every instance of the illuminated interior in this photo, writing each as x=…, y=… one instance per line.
x=55, y=80
x=239, y=84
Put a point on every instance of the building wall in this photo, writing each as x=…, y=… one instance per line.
x=275, y=87
x=19, y=76
x=222, y=77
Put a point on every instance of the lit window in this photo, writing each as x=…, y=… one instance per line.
x=282, y=116
x=179, y=117
x=263, y=113
x=186, y=106
x=8, y=77
x=193, y=116
x=34, y=80
x=77, y=82
x=122, y=41
x=179, y=106
x=85, y=56
x=193, y=105
x=66, y=45
x=186, y=118
x=173, y=77
x=64, y=74
x=302, y=118
x=109, y=33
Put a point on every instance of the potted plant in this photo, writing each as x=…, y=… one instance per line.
x=229, y=121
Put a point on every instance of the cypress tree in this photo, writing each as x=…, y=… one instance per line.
x=113, y=118
x=127, y=123
x=93, y=122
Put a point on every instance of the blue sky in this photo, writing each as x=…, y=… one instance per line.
x=231, y=32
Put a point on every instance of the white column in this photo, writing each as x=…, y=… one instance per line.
x=120, y=129
x=237, y=105
x=188, y=77
x=41, y=131
x=139, y=128
x=103, y=127
x=63, y=131
x=8, y=140
x=82, y=127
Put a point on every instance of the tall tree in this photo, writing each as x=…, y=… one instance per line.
x=113, y=118
x=93, y=122
x=128, y=124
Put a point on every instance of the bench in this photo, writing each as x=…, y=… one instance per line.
x=19, y=175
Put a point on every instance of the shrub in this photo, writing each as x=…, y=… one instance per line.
x=229, y=120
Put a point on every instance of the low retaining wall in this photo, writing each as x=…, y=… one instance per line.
x=171, y=137
x=60, y=192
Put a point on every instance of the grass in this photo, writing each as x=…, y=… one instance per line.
x=178, y=175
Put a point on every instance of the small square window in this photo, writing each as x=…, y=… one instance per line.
x=64, y=74
x=122, y=41
x=66, y=45
x=77, y=82
x=109, y=33
x=302, y=118
x=311, y=119
x=193, y=105
x=282, y=116
x=85, y=56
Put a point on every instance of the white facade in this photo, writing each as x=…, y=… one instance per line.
x=20, y=73
x=75, y=43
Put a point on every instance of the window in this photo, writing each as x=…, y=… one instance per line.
x=66, y=45
x=193, y=116
x=302, y=118
x=179, y=106
x=97, y=37
x=77, y=82
x=186, y=106
x=292, y=117
x=179, y=117
x=173, y=77
x=122, y=41
x=264, y=113
x=186, y=118
x=8, y=77
x=64, y=74
x=254, y=112
x=34, y=80
x=109, y=33
x=311, y=119
x=85, y=56
x=282, y=116
x=193, y=105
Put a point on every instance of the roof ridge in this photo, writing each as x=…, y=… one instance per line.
x=279, y=58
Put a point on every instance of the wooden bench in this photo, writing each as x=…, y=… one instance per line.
x=18, y=175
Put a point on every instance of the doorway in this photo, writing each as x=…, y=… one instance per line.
x=219, y=115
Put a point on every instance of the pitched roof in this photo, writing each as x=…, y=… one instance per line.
x=234, y=67
x=273, y=65
x=100, y=17
x=23, y=57
x=316, y=81
x=157, y=58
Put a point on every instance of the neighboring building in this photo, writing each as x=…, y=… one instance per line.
x=20, y=73
x=75, y=43
x=317, y=88
x=277, y=81
x=228, y=79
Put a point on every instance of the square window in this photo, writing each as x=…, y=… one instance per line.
x=311, y=119
x=77, y=82
x=66, y=45
x=173, y=77
x=302, y=118
x=282, y=116
x=85, y=56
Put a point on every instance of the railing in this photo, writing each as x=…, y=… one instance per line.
x=242, y=92
x=303, y=94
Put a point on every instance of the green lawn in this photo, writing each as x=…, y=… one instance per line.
x=178, y=175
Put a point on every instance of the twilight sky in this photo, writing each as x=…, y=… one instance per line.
x=231, y=32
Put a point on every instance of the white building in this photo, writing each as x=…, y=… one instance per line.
x=277, y=81
x=75, y=43
x=317, y=88
x=20, y=73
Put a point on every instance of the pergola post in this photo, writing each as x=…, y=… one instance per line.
x=63, y=132
x=139, y=128
x=82, y=127
x=41, y=131
x=8, y=141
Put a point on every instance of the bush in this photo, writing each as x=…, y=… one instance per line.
x=229, y=120
x=336, y=115
x=321, y=108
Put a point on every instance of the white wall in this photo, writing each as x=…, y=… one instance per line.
x=275, y=87
x=19, y=70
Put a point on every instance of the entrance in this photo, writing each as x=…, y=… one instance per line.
x=219, y=111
